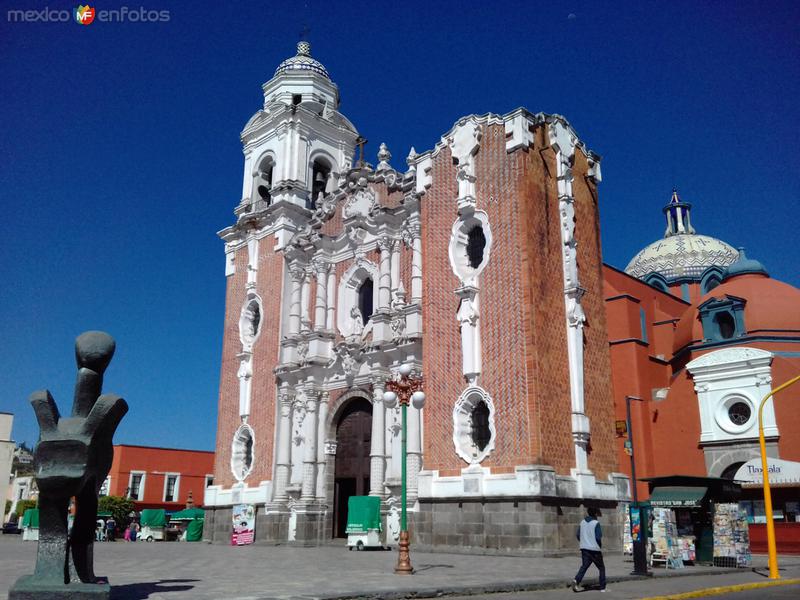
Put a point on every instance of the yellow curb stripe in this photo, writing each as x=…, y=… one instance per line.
x=726, y=589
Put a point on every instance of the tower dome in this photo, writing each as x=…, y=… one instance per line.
x=302, y=61
x=683, y=254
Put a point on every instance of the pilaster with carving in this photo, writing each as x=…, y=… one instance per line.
x=563, y=142
x=377, y=452
x=283, y=455
x=308, y=493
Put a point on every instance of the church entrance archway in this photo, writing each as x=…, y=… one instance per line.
x=351, y=469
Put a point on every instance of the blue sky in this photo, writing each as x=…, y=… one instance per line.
x=120, y=157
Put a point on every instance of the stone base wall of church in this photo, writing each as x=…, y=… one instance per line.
x=536, y=527
x=271, y=528
x=218, y=525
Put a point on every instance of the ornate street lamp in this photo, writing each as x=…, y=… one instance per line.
x=402, y=391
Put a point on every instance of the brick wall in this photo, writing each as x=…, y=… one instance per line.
x=265, y=356
x=228, y=406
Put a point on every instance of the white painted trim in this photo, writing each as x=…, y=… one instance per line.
x=462, y=425
x=216, y=495
x=347, y=293
x=248, y=338
x=176, y=492
x=140, y=495
x=237, y=460
x=526, y=481
x=457, y=250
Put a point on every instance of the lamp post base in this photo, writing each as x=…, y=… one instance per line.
x=403, y=560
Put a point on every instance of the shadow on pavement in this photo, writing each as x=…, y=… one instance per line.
x=142, y=591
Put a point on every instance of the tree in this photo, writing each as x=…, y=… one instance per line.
x=23, y=505
x=119, y=508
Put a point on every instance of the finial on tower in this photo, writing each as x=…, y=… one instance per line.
x=303, y=48
x=678, y=219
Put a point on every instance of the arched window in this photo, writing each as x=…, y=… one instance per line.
x=365, y=295
x=476, y=242
x=262, y=183
x=726, y=324
x=711, y=284
x=480, y=426
x=320, y=172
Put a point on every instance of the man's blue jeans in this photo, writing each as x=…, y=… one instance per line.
x=588, y=557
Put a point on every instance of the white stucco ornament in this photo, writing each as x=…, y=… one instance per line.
x=361, y=204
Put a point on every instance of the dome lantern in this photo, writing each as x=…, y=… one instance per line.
x=678, y=216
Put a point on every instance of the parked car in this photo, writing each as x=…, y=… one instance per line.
x=11, y=528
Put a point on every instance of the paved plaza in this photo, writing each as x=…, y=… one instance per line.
x=177, y=571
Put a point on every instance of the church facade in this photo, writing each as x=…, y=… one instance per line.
x=478, y=264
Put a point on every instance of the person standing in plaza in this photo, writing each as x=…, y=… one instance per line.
x=590, y=537
x=111, y=529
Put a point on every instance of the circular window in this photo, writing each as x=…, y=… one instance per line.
x=242, y=452
x=474, y=433
x=734, y=414
x=739, y=413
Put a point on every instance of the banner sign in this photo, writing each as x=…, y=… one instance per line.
x=780, y=471
x=244, y=524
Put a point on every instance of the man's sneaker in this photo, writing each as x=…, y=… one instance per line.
x=576, y=587
x=605, y=589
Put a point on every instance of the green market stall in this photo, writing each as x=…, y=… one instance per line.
x=190, y=521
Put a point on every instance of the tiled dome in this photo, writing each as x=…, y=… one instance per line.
x=302, y=62
x=681, y=256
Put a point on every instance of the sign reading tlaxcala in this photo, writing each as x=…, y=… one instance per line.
x=750, y=474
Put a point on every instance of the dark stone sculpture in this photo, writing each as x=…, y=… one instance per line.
x=72, y=459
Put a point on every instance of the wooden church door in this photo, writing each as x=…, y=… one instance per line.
x=351, y=471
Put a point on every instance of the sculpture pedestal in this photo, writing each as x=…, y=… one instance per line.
x=28, y=587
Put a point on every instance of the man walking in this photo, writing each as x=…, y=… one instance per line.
x=590, y=537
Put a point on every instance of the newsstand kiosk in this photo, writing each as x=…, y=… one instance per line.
x=697, y=520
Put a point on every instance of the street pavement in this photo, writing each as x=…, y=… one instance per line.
x=178, y=571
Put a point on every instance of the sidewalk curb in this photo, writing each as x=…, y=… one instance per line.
x=716, y=591
x=490, y=588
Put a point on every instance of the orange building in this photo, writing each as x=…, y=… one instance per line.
x=159, y=477
x=699, y=334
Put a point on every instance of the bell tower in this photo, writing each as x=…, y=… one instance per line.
x=297, y=140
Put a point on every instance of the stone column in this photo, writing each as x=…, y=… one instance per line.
x=320, y=308
x=416, y=264
x=297, y=276
x=377, y=451
x=308, y=494
x=331, y=302
x=385, y=282
x=283, y=454
x=395, y=269
x=305, y=301
x=322, y=428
